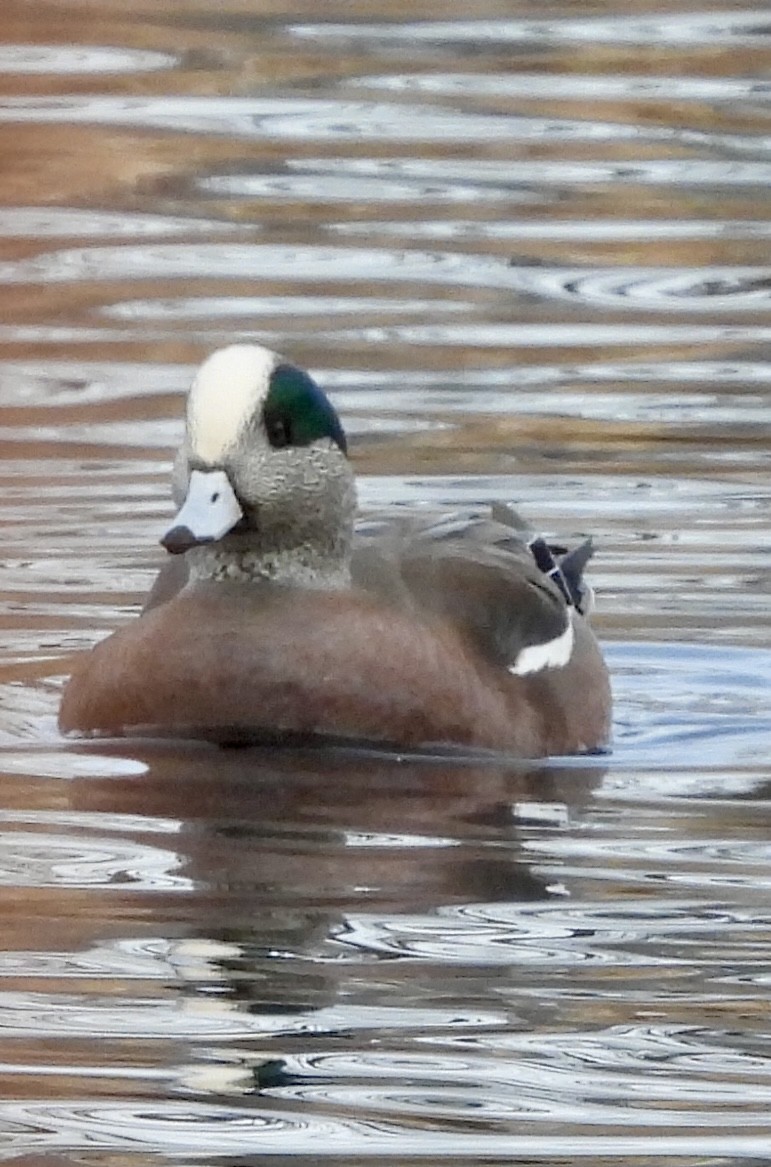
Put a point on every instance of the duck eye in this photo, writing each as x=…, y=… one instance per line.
x=279, y=434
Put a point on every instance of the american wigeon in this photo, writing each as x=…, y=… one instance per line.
x=272, y=619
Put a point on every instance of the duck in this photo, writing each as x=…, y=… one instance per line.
x=280, y=616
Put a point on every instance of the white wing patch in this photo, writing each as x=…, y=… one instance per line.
x=230, y=387
x=552, y=654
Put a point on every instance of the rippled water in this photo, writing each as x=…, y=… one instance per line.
x=528, y=250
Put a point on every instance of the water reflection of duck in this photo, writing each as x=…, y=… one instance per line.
x=316, y=832
x=271, y=890
x=275, y=621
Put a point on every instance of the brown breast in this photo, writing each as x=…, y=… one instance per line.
x=219, y=660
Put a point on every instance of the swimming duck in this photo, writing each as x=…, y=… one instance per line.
x=277, y=617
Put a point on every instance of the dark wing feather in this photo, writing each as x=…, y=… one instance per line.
x=475, y=573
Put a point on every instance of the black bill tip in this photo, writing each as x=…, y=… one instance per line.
x=180, y=539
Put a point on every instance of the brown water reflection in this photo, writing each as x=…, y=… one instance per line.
x=337, y=801
x=529, y=254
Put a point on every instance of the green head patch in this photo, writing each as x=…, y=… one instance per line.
x=297, y=412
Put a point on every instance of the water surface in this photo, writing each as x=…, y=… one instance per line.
x=529, y=254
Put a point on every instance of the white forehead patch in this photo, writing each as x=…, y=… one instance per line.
x=228, y=390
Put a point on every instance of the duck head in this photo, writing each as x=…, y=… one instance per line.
x=262, y=478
